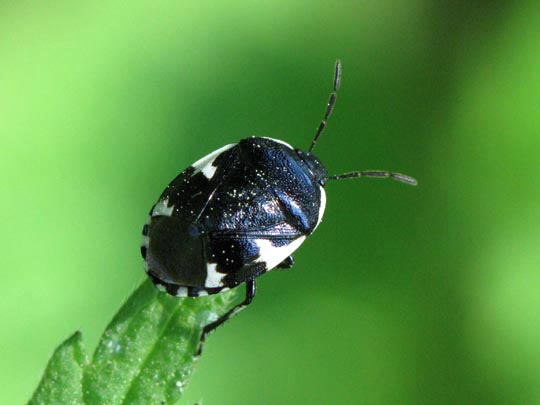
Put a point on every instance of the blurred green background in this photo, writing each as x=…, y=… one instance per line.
x=403, y=295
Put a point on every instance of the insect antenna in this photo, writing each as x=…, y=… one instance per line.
x=376, y=173
x=329, y=107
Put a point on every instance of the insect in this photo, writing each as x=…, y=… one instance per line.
x=237, y=213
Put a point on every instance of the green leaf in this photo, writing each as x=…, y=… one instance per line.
x=145, y=355
x=61, y=382
x=147, y=352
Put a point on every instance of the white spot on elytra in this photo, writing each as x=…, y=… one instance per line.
x=213, y=277
x=162, y=208
x=160, y=287
x=205, y=164
x=274, y=255
x=182, y=292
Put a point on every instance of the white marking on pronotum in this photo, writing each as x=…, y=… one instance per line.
x=162, y=208
x=279, y=141
x=205, y=164
x=274, y=255
x=321, y=207
x=213, y=277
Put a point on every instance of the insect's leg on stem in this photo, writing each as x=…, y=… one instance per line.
x=250, y=294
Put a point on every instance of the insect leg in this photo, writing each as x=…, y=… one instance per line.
x=250, y=294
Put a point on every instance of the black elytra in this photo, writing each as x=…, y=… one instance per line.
x=237, y=213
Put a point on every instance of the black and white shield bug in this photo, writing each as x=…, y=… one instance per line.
x=237, y=213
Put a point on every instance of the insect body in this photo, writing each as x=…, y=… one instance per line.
x=236, y=213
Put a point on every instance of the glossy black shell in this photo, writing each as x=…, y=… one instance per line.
x=232, y=216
